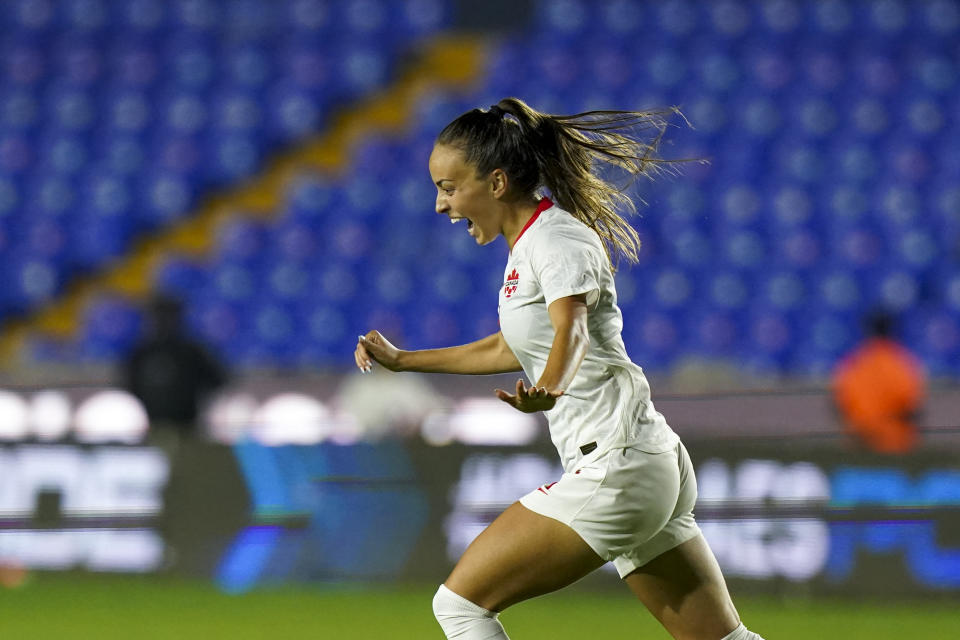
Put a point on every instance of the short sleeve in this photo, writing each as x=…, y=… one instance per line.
x=568, y=265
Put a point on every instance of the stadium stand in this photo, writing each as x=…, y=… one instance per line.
x=846, y=110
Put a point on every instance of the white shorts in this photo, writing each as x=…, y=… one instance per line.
x=628, y=505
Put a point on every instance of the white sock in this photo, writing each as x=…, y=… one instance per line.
x=742, y=633
x=460, y=618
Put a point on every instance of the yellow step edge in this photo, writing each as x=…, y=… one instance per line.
x=448, y=62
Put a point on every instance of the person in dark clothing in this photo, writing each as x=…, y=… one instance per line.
x=170, y=371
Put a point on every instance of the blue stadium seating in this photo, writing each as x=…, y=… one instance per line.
x=117, y=115
x=831, y=128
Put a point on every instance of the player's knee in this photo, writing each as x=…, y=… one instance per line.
x=742, y=633
x=447, y=604
x=441, y=604
x=459, y=617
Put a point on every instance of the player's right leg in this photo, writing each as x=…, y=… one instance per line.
x=684, y=589
x=681, y=584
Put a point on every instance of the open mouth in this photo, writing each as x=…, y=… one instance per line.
x=469, y=222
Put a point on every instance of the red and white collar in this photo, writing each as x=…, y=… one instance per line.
x=545, y=203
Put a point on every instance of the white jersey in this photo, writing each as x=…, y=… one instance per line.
x=607, y=405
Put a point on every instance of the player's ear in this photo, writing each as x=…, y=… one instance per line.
x=498, y=183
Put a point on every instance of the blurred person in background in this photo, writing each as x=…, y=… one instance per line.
x=390, y=406
x=879, y=389
x=629, y=489
x=171, y=373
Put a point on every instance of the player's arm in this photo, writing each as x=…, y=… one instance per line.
x=485, y=356
x=568, y=316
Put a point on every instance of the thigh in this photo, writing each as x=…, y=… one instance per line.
x=684, y=589
x=521, y=555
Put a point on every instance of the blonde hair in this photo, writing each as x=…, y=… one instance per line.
x=562, y=153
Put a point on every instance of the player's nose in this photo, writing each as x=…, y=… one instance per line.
x=442, y=207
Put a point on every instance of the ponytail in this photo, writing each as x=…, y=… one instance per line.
x=561, y=153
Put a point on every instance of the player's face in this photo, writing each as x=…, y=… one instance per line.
x=462, y=195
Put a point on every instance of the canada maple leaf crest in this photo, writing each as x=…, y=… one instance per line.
x=510, y=286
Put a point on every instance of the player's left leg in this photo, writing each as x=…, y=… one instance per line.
x=521, y=555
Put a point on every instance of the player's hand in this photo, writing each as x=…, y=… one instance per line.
x=374, y=347
x=529, y=400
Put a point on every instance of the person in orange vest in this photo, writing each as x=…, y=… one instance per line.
x=879, y=389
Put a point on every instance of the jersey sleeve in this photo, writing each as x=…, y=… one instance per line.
x=568, y=265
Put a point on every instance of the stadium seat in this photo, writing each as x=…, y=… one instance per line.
x=831, y=184
x=125, y=113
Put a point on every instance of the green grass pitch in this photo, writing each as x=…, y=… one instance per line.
x=50, y=607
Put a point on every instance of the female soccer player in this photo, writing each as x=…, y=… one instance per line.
x=628, y=487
